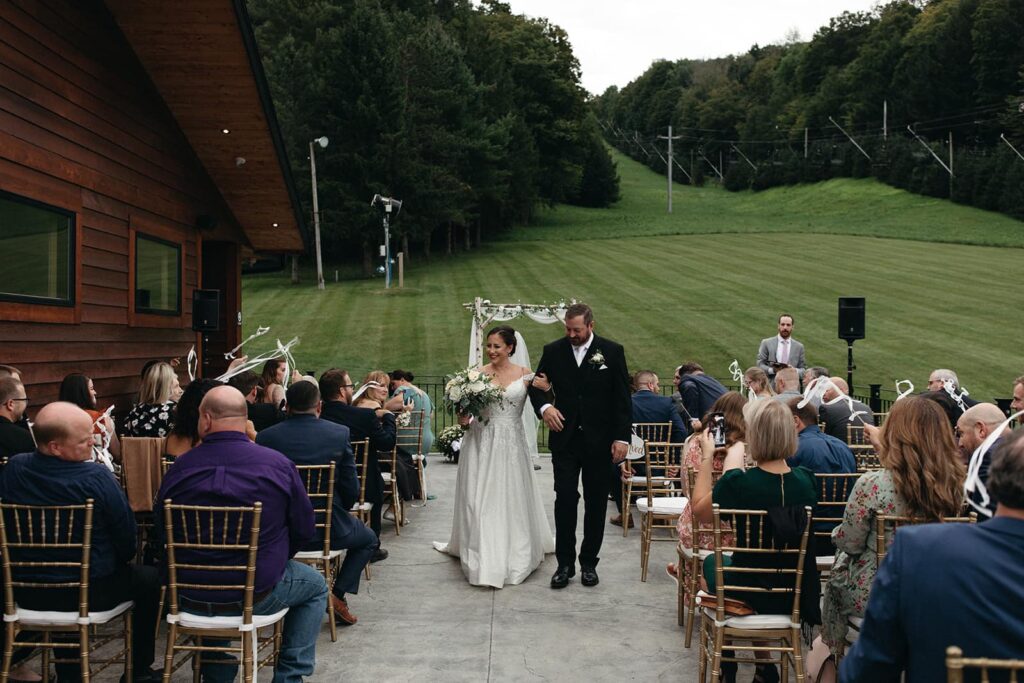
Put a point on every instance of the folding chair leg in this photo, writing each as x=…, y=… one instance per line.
x=46, y=652
x=691, y=574
x=128, y=663
x=83, y=650
x=798, y=657
x=5, y=672
x=716, y=657
x=681, y=590
x=329, y=578
x=646, y=523
x=627, y=494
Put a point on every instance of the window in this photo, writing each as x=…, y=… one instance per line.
x=36, y=252
x=157, y=276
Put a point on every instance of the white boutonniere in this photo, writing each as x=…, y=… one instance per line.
x=597, y=360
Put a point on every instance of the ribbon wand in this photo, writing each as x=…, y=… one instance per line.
x=260, y=331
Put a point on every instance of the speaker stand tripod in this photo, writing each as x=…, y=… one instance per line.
x=850, y=367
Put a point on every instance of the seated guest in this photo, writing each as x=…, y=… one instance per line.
x=836, y=416
x=731, y=404
x=938, y=380
x=13, y=438
x=229, y=470
x=948, y=584
x=363, y=423
x=307, y=440
x=973, y=427
x=1017, y=404
x=696, y=392
x=373, y=394
x=273, y=382
x=60, y=473
x=812, y=373
x=184, y=435
x=787, y=385
x=153, y=415
x=757, y=383
x=818, y=452
x=921, y=477
x=950, y=407
x=771, y=438
x=648, y=406
x=78, y=389
x=401, y=385
x=262, y=415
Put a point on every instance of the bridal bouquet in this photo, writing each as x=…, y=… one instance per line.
x=470, y=392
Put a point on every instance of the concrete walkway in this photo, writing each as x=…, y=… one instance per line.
x=419, y=619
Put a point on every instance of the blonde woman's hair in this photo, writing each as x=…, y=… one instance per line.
x=917, y=448
x=756, y=374
x=156, y=384
x=771, y=434
x=377, y=377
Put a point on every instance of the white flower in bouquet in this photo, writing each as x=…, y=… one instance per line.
x=473, y=375
x=471, y=392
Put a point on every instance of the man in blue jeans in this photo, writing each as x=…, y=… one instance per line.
x=227, y=469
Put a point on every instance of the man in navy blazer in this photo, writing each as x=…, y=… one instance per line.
x=305, y=439
x=949, y=584
x=648, y=406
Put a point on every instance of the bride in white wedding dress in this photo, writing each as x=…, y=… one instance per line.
x=499, y=530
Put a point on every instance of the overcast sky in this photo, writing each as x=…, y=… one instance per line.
x=616, y=40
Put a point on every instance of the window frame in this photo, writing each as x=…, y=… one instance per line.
x=27, y=308
x=151, y=230
x=139, y=235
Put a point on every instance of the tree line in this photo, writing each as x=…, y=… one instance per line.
x=884, y=93
x=469, y=114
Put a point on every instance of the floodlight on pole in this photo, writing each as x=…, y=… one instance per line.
x=390, y=208
x=322, y=141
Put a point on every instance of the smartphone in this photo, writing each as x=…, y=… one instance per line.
x=718, y=429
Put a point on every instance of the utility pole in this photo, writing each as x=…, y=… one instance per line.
x=1010, y=145
x=806, y=140
x=885, y=120
x=848, y=137
x=950, y=164
x=670, y=139
x=322, y=141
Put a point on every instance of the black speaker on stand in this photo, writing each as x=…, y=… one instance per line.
x=851, y=328
x=205, y=318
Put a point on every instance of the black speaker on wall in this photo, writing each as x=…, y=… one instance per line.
x=206, y=310
x=851, y=317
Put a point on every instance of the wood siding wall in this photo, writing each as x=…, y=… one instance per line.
x=82, y=127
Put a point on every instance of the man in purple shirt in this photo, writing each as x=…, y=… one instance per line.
x=227, y=469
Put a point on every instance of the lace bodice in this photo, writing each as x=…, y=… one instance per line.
x=510, y=408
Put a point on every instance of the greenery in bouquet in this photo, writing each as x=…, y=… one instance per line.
x=471, y=392
x=448, y=439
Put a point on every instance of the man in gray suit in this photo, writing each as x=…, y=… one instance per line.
x=837, y=416
x=781, y=351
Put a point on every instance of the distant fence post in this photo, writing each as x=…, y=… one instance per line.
x=876, y=397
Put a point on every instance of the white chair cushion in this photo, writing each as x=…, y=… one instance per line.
x=752, y=621
x=663, y=506
x=316, y=555
x=419, y=456
x=386, y=476
x=638, y=480
x=46, y=618
x=825, y=561
x=196, y=621
x=702, y=553
x=358, y=507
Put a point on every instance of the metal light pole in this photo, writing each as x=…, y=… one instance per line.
x=322, y=141
x=390, y=207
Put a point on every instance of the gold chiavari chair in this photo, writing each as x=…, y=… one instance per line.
x=65, y=533
x=833, y=493
x=410, y=440
x=361, y=452
x=660, y=432
x=661, y=501
x=142, y=471
x=389, y=471
x=719, y=631
x=880, y=418
x=691, y=558
x=956, y=663
x=319, y=483
x=201, y=539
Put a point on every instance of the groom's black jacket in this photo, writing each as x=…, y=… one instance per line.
x=589, y=397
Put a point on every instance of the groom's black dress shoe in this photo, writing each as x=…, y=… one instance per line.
x=561, y=577
x=588, y=576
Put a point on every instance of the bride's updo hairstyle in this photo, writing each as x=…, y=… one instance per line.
x=507, y=334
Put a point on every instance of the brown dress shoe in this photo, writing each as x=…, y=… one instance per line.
x=342, y=616
x=617, y=520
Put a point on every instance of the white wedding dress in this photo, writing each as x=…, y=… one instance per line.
x=499, y=531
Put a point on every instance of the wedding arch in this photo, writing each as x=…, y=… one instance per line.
x=484, y=313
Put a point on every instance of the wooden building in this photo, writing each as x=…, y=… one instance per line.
x=140, y=160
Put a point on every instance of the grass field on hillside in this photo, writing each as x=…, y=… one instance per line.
x=843, y=206
x=709, y=297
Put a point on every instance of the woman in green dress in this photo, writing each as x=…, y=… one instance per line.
x=401, y=382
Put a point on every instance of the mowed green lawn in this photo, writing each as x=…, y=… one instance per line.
x=708, y=297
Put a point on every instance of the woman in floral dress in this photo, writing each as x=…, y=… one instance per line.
x=922, y=477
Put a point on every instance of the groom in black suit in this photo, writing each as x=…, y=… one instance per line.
x=590, y=417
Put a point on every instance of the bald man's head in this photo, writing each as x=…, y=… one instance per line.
x=64, y=431
x=787, y=379
x=223, y=409
x=976, y=424
x=840, y=384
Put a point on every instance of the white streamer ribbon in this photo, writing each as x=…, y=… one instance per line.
x=947, y=385
x=973, y=483
x=904, y=394
x=101, y=451
x=282, y=351
x=260, y=331
x=737, y=376
x=362, y=390
x=192, y=363
x=815, y=394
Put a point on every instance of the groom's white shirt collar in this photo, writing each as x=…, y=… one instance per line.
x=580, y=352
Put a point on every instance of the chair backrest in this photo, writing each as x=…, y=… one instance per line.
x=833, y=493
x=956, y=663
x=206, y=541
x=142, y=470
x=361, y=453
x=855, y=435
x=319, y=483
x=752, y=538
x=653, y=431
x=61, y=531
x=886, y=526
x=410, y=437
x=696, y=527
x=658, y=457
x=880, y=418
x=866, y=458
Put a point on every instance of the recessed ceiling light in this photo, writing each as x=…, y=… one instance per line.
x=225, y=131
x=275, y=225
